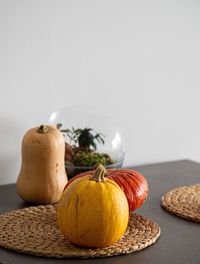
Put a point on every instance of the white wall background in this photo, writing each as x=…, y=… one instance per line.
x=137, y=60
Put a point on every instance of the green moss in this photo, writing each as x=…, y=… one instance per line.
x=91, y=158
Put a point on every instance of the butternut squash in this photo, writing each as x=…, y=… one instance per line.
x=42, y=175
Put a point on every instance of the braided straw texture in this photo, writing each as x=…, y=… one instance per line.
x=183, y=202
x=34, y=231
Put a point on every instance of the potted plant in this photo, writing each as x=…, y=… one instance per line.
x=81, y=151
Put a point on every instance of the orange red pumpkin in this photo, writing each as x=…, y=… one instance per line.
x=131, y=182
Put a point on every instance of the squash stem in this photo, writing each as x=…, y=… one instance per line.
x=99, y=174
x=42, y=129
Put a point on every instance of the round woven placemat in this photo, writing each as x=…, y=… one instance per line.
x=183, y=202
x=34, y=231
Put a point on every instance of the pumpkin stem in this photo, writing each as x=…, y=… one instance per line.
x=99, y=174
x=42, y=129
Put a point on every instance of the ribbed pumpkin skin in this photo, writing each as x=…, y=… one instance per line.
x=93, y=214
x=133, y=184
x=130, y=181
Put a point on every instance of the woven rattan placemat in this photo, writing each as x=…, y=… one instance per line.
x=183, y=202
x=34, y=231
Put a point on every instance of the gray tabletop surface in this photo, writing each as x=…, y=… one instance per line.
x=179, y=242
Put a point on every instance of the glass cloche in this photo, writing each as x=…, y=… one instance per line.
x=90, y=138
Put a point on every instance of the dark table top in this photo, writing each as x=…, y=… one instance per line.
x=179, y=241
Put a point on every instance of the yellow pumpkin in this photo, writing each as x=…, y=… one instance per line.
x=93, y=211
x=42, y=176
